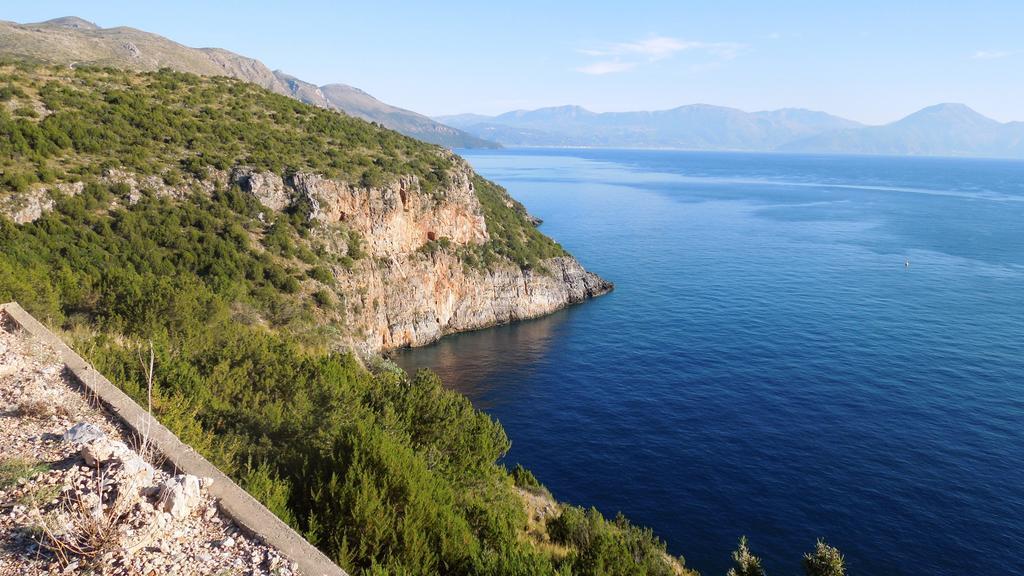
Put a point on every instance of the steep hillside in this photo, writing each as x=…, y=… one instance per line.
x=247, y=237
x=73, y=41
x=384, y=241
x=355, y=102
x=361, y=105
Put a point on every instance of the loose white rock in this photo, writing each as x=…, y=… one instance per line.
x=179, y=495
x=83, y=432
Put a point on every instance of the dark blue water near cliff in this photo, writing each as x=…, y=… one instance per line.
x=767, y=364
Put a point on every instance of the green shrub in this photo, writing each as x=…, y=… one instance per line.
x=525, y=479
x=321, y=274
x=355, y=245
x=743, y=562
x=11, y=91
x=266, y=486
x=824, y=561
x=602, y=547
x=513, y=235
x=323, y=298
x=26, y=112
x=18, y=181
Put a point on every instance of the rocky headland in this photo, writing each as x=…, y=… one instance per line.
x=400, y=289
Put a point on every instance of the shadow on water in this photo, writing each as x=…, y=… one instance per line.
x=472, y=362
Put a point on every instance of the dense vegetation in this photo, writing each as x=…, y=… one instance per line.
x=66, y=124
x=513, y=235
x=386, y=472
x=70, y=125
x=380, y=469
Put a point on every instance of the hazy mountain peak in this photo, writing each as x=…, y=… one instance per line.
x=803, y=113
x=73, y=22
x=947, y=107
x=699, y=106
x=340, y=86
x=947, y=129
x=949, y=112
x=948, y=117
x=563, y=109
x=568, y=111
x=571, y=109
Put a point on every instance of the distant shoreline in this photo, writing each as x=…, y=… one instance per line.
x=506, y=147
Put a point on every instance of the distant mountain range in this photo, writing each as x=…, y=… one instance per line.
x=941, y=130
x=71, y=40
x=699, y=126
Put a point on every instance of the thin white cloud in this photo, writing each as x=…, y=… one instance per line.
x=606, y=67
x=656, y=47
x=992, y=54
x=661, y=47
x=622, y=56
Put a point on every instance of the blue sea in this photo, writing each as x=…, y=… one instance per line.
x=796, y=347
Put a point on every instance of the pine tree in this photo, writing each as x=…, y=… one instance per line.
x=824, y=561
x=744, y=563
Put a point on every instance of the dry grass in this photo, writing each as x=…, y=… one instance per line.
x=42, y=408
x=109, y=516
x=142, y=440
x=88, y=525
x=539, y=507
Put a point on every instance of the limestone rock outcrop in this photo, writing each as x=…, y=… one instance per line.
x=412, y=303
x=393, y=293
x=399, y=296
x=268, y=188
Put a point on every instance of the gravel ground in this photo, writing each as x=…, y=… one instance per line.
x=86, y=502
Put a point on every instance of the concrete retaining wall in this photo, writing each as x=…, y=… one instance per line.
x=245, y=510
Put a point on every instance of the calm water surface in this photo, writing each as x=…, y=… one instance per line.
x=767, y=364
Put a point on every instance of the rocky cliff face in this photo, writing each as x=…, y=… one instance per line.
x=403, y=296
x=409, y=302
x=397, y=218
x=396, y=292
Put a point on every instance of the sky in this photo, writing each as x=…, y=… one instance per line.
x=870, y=61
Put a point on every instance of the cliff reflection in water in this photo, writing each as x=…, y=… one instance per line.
x=478, y=363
